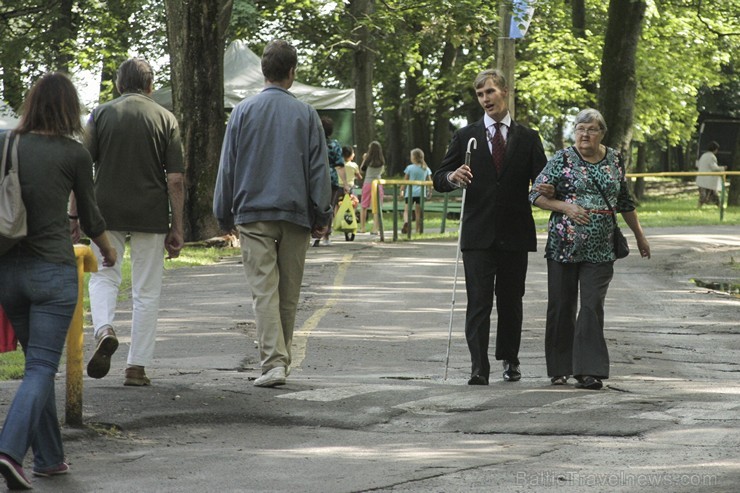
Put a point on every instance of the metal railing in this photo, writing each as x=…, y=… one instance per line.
x=378, y=211
x=669, y=174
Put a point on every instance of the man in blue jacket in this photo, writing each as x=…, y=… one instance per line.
x=273, y=185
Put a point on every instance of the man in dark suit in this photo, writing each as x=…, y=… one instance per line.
x=498, y=229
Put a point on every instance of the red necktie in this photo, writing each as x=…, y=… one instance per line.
x=498, y=148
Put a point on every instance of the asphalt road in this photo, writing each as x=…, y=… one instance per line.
x=366, y=407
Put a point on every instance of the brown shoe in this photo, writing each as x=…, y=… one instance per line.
x=106, y=345
x=136, y=377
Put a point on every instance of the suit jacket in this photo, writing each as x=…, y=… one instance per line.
x=497, y=213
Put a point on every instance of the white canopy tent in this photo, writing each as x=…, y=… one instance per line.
x=8, y=118
x=243, y=78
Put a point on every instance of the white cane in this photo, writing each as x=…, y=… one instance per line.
x=474, y=143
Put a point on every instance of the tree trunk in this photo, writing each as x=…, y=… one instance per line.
x=639, y=187
x=665, y=160
x=63, y=32
x=117, y=44
x=196, y=35
x=578, y=18
x=682, y=163
x=363, y=66
x=418, y=119
x=13, y=89
x=618, y=82
x=394, y=143
x=441, y=136
x=578, y=27
x=558, y=137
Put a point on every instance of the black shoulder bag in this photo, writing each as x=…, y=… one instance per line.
x=621, y=248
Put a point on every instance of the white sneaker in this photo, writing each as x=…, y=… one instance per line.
x=326, y=242
x=272, y=378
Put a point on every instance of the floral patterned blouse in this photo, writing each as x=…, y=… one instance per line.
x=573, y=177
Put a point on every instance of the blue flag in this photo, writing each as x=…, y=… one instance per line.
x=521, y=16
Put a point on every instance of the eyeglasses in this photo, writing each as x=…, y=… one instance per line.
x=589, y=131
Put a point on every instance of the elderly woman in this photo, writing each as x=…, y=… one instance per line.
x=579, y=251
x=709, y=185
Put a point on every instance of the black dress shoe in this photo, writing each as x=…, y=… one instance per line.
x=589, y=382
x=511, y=372
x=478, y=380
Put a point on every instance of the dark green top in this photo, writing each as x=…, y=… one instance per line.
x=48, y=169
x=134, y=143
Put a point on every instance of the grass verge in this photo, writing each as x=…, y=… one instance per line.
x=666, y=203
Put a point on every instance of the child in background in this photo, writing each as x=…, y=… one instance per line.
x=373, y=163
x=351, y=169
x=416, y=171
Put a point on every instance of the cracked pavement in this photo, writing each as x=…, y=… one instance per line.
x=366, y=407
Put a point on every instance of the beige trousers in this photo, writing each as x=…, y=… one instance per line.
x=274, y=254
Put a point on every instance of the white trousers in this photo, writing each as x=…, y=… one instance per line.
x=147, y=268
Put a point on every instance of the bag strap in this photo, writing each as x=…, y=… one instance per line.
x=614, y=211
x=603, y=195
x=14, y=153
x=608, y=204
x=4, y=157
x=4, y=166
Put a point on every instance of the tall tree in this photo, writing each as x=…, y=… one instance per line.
x=63, y=34
x=116, y=36
x=392, y=94
x=558, y=67
x=363, y=67
x=618, y=84
x=443, y=106
x=196, y=33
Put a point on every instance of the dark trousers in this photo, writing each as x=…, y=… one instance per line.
x=574, y=343
x=489, y=272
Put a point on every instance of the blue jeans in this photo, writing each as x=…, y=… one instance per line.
x=39, y=299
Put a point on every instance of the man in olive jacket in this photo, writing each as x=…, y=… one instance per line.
x=498, y=230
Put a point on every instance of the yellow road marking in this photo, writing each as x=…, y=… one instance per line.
x=300, y=337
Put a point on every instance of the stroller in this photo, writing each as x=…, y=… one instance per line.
x=345, y=219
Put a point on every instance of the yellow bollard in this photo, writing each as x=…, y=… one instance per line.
x=376, y=208
x=86, y=262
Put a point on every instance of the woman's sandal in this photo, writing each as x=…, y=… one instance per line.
x=559, y=380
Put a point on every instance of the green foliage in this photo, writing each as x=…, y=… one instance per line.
x=723, y=99
x=687, y=47
x=103, y=33
x=244, y=20
x=676, y=57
